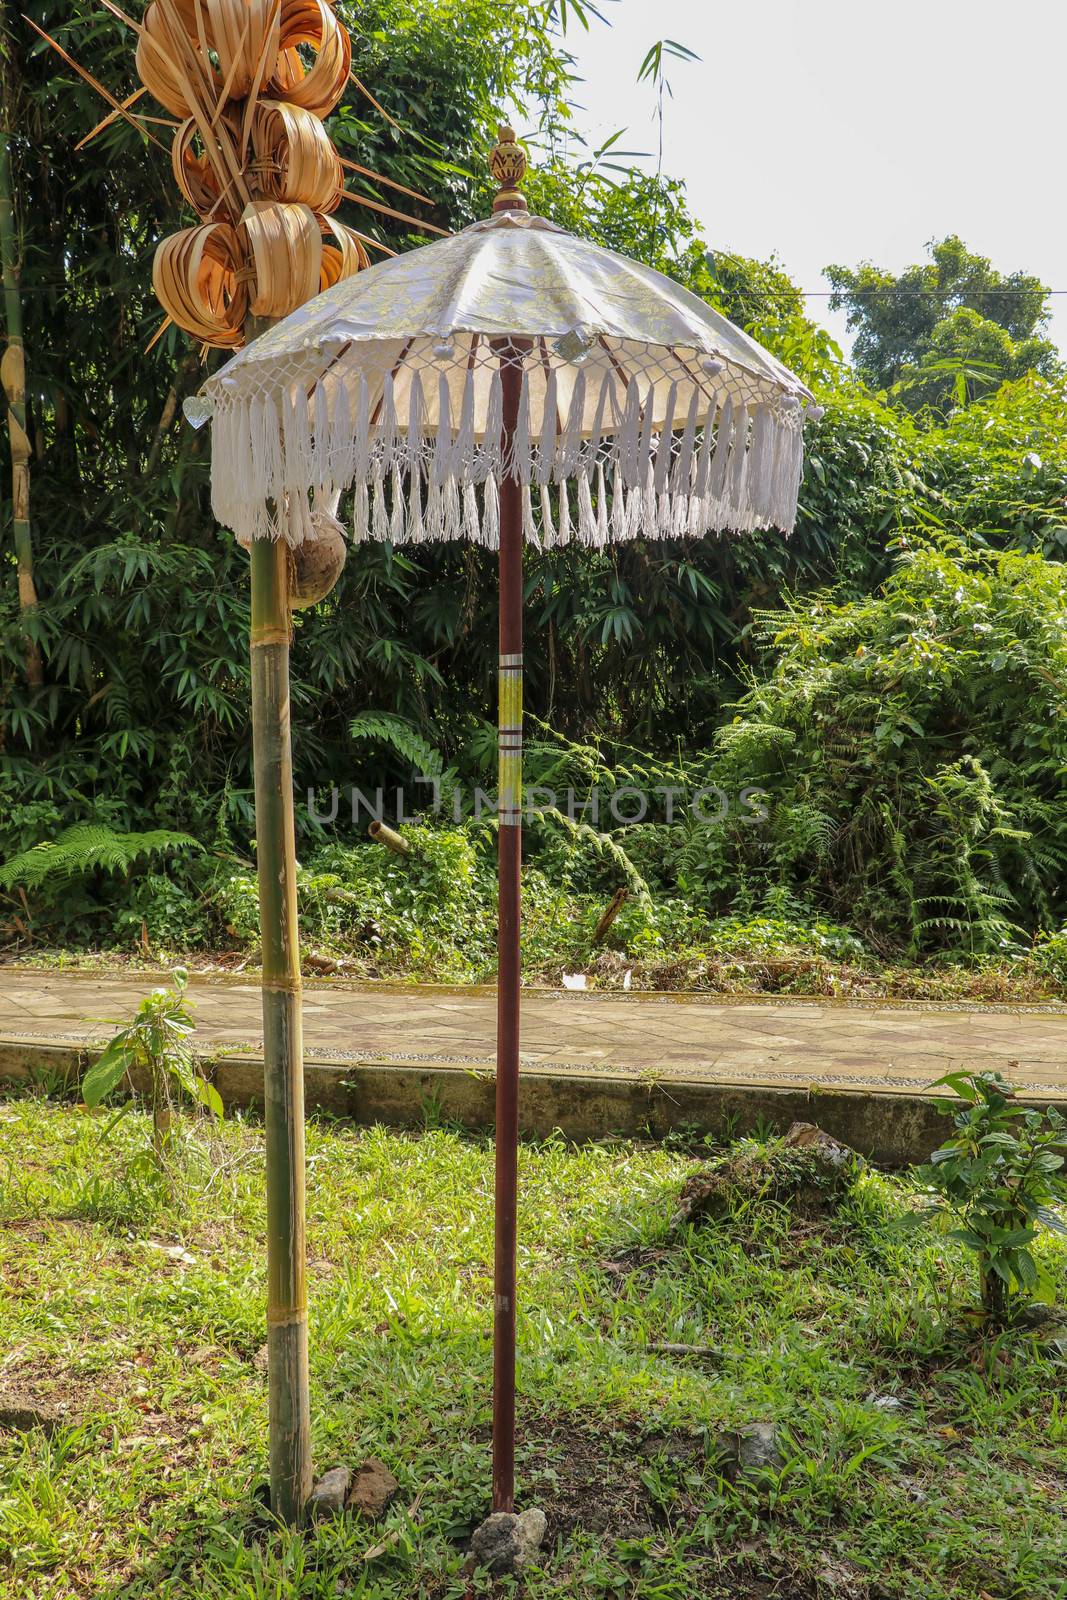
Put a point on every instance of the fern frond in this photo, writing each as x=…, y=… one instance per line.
x=385, y=727
x=605, y=846
x=754, y=738
x=84, y=848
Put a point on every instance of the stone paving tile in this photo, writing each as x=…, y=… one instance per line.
x=663, y=1036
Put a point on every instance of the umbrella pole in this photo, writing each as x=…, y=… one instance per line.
x=283, y=1060
x=509, y=858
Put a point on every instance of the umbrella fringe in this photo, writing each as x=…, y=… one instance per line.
x=682, y=473
x=662, y=453
x=723, y=438
x=530, y=532
x=570, y=439
x=426, y=465
x=379, y=520
x=602, y=529
x=587, y=524
x=702, y=467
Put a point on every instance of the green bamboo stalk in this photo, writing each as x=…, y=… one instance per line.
x=13, y=378
x=287, y=1331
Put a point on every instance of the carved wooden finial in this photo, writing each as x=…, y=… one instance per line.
x=507, y=163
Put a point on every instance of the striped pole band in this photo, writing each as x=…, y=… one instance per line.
x=509, y=742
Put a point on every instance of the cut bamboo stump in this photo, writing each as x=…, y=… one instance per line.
x=381, y=833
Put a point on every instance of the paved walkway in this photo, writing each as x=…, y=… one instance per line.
x=656, y=1038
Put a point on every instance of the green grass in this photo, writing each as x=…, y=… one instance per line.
x=148, y=1488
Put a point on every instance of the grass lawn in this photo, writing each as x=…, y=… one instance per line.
x=152, y=1356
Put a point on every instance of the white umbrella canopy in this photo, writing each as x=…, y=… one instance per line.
x=668, y=419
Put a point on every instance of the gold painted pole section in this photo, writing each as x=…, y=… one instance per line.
x=287, y=1330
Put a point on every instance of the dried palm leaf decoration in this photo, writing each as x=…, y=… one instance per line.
x=251, y=82
x=319, y=87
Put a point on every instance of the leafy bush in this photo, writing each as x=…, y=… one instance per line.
x=913, y=749
x=431, y=909
x=155, y=1043
x=236, y=904
x=998, y=471
x=1049, y=954
x=998, y=1178
x=172, y=914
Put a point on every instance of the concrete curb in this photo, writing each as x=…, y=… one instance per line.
x=890, y=1128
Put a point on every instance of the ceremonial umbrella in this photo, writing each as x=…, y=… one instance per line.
x=511, y=382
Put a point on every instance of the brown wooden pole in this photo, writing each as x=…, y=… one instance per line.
x=509, y=859
x=609, y=913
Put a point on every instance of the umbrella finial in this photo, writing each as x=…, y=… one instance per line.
x=507, y=163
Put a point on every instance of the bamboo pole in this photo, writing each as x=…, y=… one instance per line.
x=13, y=378
x=283, y=1060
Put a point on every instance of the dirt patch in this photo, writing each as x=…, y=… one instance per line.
x=34, y=1383
x=594, y=1475
x=37, y=1231
x=636, y=1258
x=634, y=1488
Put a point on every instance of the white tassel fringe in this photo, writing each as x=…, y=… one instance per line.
x=715, y=466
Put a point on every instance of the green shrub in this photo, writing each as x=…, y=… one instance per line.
x=173, y=914
x=998, y=1178
x=431, y=910
x=999, y=469
x=913, y=748
x=236, y=905
x=1049, y=954
x=156, y=1043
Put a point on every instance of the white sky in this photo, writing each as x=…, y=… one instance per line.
x=850, y=130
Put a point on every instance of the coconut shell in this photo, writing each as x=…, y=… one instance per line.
x=315, y=568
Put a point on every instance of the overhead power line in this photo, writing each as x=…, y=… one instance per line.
x=979, y=294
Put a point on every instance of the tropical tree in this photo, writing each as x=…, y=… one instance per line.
x=898, y=320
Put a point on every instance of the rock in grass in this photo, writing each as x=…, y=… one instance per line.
x=757, y=1448
x=373, y=1488
x=505, y=1542
x=889, y=1403
x=750, y=1451
x=826, y=1149
x=330, y=1493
